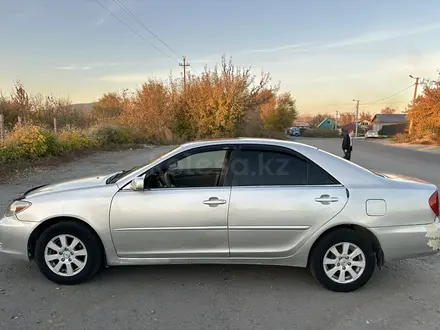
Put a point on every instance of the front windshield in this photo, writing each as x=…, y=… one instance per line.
x=125, y=173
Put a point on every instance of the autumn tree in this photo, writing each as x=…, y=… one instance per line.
x=346, y=118
x=151, y=110
x=226, y=101
x=20, y=99
x=9, y=111
x=108, y=107
x=283, y=114
x=45, y=108
x=424, y=112
x=304, y=118
x=365, y=116
x=39, y=109
x=388, y=111
x=268, y=108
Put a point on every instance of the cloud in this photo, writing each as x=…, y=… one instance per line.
x=379, y=36
x=73, y=68
x=370, y=37
x=281, y=48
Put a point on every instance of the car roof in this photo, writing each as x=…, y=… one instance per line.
x=347, y=172
x=245, y=140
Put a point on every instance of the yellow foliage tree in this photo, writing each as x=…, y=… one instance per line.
x=108, y=107
x=283, y=114
x=388, y=111
x=224, y=102
x=424, y=112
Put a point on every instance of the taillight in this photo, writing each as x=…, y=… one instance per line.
x=434, y=203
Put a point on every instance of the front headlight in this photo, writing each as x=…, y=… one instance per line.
x=17, y=207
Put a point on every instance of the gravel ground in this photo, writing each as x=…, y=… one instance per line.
x=403, y=295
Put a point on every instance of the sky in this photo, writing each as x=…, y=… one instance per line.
x=324, y=52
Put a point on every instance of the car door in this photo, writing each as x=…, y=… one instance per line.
x=278, y=198
x=185, y=220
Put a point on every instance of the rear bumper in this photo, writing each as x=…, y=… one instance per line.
x=403, y=242
x=14, y=236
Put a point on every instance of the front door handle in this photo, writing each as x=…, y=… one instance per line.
x=326, y=199
x=214, y=201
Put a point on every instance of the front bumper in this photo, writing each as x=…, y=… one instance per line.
x=14, y=237
x=403, y=242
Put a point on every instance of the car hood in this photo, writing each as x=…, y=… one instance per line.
x=82, y=183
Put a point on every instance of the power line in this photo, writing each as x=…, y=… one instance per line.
x=388, y=97
x=132, y=15
x=375, y=102
x=135, y=32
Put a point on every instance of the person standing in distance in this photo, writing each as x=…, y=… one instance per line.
x=347, y=144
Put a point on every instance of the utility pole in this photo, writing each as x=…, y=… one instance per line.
x=356, y=119
x=185, y=64
x=414, y=98
x=415, y=88
x=336, y=120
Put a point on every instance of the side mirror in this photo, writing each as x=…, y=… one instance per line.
x=138, y=183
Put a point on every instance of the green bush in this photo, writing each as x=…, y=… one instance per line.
x=74, y=139
x=28, y=142
x=111, y=134
x=321, y=133
x=10, y=152
x=31, y=142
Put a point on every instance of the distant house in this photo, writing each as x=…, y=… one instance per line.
x=301, y=124
x=381, y=120
x=328, y=123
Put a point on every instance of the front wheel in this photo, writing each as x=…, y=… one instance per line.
x=68, y=253
x=343, y=261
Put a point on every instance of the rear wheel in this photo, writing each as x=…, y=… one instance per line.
x=343, y=261
x=68, y=253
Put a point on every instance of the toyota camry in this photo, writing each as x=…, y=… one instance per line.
x=237, y=201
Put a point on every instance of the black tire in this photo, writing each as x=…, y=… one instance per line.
x=329, y=240
x=89, y=239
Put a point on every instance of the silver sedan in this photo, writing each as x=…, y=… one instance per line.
x=238, y=201
x=371, y=135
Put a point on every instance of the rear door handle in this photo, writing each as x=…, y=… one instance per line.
x=326, y=199
x=214, y=201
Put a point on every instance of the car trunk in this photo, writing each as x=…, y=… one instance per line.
x=398, y=177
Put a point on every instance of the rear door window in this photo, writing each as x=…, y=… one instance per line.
x=260, y=167
x=267, y=168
